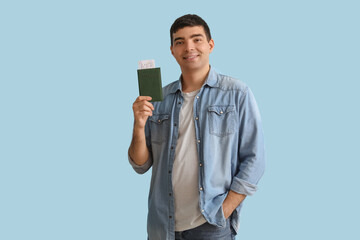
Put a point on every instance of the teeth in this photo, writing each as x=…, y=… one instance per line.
x=191, y=57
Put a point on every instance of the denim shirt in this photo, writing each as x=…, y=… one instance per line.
x=230, y=150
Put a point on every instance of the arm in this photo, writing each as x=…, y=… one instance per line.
x=138, y=151
x=251, y=155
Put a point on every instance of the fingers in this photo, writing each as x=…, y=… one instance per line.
x=141, y=98
x=144, y=100
x=142, y=108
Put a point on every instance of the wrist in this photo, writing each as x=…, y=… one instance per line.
x=138, y=126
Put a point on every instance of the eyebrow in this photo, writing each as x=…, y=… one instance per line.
x=192, y=36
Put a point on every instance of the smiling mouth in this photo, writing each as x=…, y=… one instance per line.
x=191, y=57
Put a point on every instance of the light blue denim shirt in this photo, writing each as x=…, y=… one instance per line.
x=230, y=150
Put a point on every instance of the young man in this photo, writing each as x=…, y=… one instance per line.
x=204, y=143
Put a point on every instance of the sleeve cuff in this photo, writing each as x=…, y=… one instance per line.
x=140, y=168
x=243, y=187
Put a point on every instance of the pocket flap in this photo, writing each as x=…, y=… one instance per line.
x=159, y=118
x=220, y=110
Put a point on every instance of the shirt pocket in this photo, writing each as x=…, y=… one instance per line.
x=221, y=120
x=159, y=127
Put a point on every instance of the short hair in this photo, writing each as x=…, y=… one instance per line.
x=189, y=20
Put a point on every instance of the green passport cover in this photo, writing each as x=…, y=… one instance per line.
x=150, y=83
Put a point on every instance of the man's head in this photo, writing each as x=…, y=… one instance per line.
x=191, y=43
x=189, y=20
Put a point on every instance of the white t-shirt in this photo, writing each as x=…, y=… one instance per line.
x=185, y=176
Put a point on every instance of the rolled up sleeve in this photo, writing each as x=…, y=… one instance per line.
x=141, y=169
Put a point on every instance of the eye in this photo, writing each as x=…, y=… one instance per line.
x=178, y=43
x=197, y=39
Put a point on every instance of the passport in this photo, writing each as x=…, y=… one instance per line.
x=149, y=80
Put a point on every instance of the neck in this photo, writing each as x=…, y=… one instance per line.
x=193, y=80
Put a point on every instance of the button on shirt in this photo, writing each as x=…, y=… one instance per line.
x=229, y=144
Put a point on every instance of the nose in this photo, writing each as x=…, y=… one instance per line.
x=189, y=46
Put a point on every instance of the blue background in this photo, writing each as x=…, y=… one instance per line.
x=68, y=80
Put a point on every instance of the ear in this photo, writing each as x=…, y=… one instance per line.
x=171, y=49
x=211, y=45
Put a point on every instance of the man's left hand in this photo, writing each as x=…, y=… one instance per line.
x=231, y=202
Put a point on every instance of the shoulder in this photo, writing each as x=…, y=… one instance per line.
x=228, y=83
x=171, y=88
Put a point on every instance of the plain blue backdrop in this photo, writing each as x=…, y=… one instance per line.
x=68, y=80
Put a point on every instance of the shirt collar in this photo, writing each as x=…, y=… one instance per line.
x=211, y=79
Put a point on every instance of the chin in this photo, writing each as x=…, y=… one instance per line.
x=193, y=66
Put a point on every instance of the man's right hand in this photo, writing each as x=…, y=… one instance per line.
x=142, y=110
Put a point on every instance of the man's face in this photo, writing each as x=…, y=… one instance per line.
x=191, y=49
